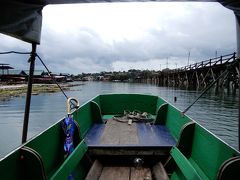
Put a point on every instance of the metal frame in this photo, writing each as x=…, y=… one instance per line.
x=29, y=92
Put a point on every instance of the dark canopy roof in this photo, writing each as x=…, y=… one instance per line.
x=5, y=66
x=23, y=18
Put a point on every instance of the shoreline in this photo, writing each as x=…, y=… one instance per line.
x=17, y=90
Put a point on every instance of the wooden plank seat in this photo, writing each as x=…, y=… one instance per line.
x=141, y=138
x=121, y=136
x=101, y=171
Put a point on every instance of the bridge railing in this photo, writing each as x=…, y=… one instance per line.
x=208, y=63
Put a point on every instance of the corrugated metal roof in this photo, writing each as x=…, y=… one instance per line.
x=5, y=67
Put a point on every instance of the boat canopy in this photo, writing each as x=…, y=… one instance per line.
x=22, y=19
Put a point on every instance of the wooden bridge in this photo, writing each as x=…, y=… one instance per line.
x=200, y=74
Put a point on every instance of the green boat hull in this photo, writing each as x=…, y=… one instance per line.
x=197, y=154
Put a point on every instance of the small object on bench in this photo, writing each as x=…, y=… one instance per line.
x=130, y=122
x=138, y=162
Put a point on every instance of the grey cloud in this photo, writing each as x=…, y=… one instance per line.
x=201, y=30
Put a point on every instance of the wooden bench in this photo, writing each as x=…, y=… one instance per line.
x=118, y=138
x=198, y=155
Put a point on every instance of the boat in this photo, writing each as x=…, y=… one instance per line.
x=112, y=136
x=166, y=144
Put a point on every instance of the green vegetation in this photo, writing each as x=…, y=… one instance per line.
x=132, y=75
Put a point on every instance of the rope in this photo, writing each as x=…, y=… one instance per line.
x=134, y=116
x=204, y=91
x=49, y=73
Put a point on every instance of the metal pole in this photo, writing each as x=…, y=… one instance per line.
x=29, y=93
x=188, y=57
x=238, y=55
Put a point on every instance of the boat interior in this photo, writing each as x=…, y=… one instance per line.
x=171, y=146
x=168, y=146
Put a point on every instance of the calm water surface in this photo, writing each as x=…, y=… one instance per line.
x=216, y=112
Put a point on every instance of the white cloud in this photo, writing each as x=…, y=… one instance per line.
x=116, y=36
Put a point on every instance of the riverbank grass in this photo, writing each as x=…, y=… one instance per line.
x=20, y=90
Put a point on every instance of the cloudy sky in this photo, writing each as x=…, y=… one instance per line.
x=121, y=36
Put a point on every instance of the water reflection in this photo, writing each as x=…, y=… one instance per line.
x=218, y=112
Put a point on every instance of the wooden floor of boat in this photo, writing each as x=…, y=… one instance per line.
x=100, y=172
x=125, y=173
x=120, y=134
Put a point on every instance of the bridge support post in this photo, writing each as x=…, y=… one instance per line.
x=197, y=79
x=238, y=34
x=187, y=82
x=238, y=55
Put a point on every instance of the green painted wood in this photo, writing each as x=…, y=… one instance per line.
x=117, y=103
x=184, y=165
x=208, y=153
x=96, y=112
x=31, y=164
x=175, y=121
x=184, y=144
x=50, y=147
x=178, y=175
x=107, y=116
x=84, y=117
x=70, y=163
x=229, y=169
x=160, y=102
x=199, y=170
x=161, y=114
x=97, y=100
x=10, y=167
x=77, y=135
x=186, y=139
x=81, y=169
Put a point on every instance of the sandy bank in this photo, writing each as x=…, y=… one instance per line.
x=8, y=91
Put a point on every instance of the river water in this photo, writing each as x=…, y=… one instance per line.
x=216, y=112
